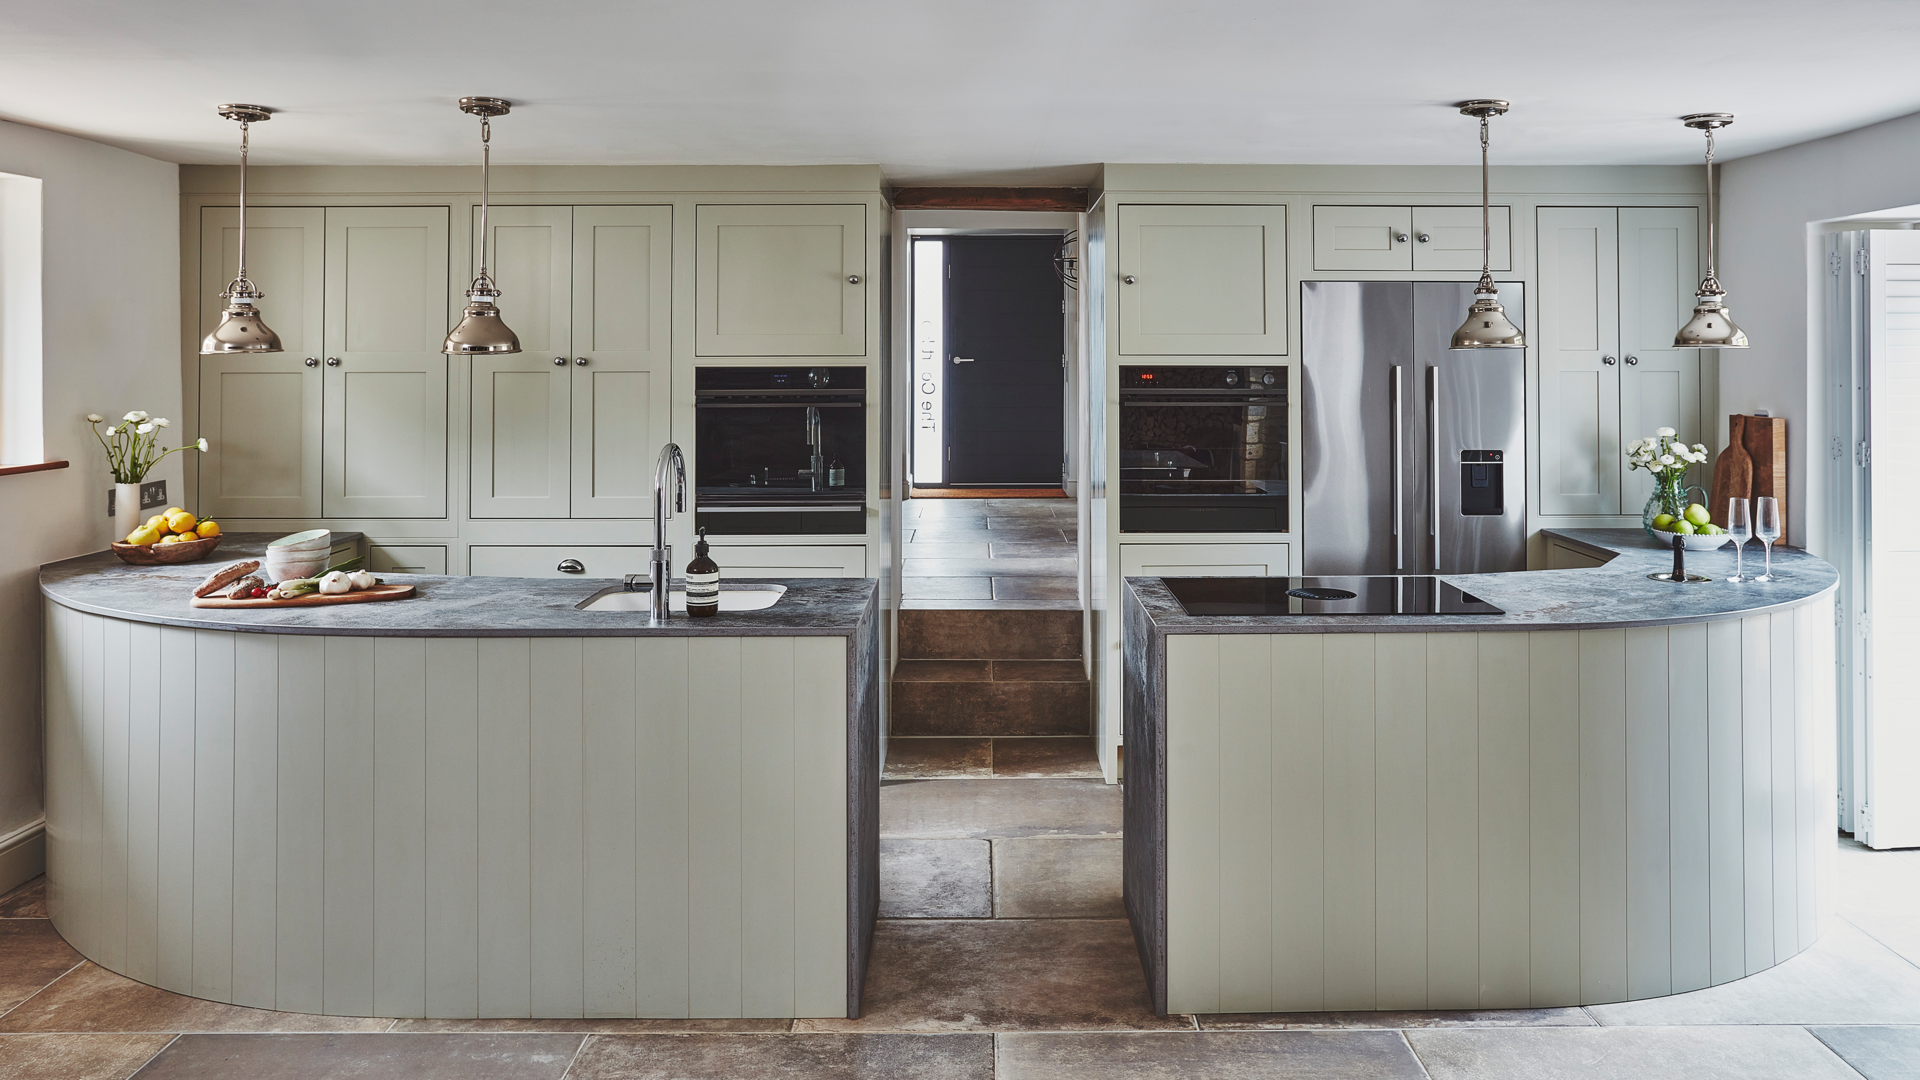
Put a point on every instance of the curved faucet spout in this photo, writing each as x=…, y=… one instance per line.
x=671, y=469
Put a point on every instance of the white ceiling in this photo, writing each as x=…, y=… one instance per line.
x=1013, y=91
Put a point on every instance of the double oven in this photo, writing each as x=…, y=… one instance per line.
x=780, y=451
x=1203, y=449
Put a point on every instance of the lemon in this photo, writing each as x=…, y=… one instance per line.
x=208, y=529
x=170, y=539
x=144, y=535
x=180, y=521
x=170, y=511
x=157, y=520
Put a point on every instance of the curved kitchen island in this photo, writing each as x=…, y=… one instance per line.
x=1617, y=789
x=476, y=802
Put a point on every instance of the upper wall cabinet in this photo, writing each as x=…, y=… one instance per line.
x=788, y=280
x=1202, y=280
x=1407, y=238
x=1614, y=286
x=261, y=412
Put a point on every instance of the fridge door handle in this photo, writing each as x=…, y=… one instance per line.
x=1399, y=482
x=1433, y=434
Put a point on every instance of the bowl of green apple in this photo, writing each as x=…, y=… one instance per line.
x=1694, y=527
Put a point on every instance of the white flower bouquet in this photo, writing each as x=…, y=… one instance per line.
x=133, y=445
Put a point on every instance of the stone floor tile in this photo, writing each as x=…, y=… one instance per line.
x=997, y=807
x=946, y=588
x=928, y=758
x=91, y=998
x=1044, y=877
x=963, y=531
x=1006, y=549
x=1035, y=588
x=614, y=1025
x=76, y=1057
x=365, y=1057
x=943, y=671
x=989, y=605
x=1039, y=671
x=1845, y=978
x=1599, y=1053
x=1875, y=891
x=1037, y=756
x=1310, y=1021
x=1877, y=1053
x=930, y=548
x=786, y=1057
x=1179, y=1055
x=32, y=954
x=1004, y=530
x=29, y=901
x=1053, y=566
x=935, y=879
x=1004, y=975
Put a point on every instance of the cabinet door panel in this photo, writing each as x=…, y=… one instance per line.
x=384, y=440
x=622, y=407
x=531, y=257
x=1579, y=392
x=1453, y=238
x=519, y=421
x=261, y=413
x=1362, y=238
x=1208, y=280
x=781, y=281
x=1659, y=384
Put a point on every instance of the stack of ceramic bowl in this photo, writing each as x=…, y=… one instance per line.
x=301, y=555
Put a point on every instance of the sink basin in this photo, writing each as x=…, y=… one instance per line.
x=732, y=598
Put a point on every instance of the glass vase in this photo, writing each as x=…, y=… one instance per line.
x=1669, y=496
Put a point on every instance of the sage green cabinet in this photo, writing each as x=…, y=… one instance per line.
x=1615, y=284
x=781, y=280
x=569, y=426
x=1202, y=280
x=1436, y=238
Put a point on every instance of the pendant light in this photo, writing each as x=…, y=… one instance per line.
x=1712, y=325
x=1487, y=325
x=241, y=329
x=481, y=329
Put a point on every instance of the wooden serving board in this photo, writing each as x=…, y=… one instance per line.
x=312, y=599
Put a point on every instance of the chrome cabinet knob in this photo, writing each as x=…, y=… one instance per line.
x=1607, y=360
x=580, y=360
x=1399, y=238
x=311, y=362
x=1632, y=361
x=1128, y=279
x=333, y=361
x=1424, y=237
x=559, y=361
x=571, y=566
x=853, y=279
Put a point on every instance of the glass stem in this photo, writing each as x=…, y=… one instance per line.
x=1739, y=550
x=1768, y=544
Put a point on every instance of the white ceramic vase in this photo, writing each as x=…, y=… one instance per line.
x=126, y=506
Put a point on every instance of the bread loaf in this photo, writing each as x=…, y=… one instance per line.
x=226, y=575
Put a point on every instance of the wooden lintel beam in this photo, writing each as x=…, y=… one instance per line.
x=1072, y=200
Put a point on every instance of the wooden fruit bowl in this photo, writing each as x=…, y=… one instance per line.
x=185, y=551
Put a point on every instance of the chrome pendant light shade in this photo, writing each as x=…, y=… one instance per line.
x=1712, y=325
x=1487, y=325
x=241, y=328
x=481, y=330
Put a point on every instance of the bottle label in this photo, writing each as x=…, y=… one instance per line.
x=703, y=589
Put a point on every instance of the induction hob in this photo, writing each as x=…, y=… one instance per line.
x=1370, y=595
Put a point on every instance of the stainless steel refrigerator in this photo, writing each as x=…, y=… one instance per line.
x=1414, y=456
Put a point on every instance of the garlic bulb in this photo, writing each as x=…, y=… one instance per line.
x=360, y=579
x=335, y=584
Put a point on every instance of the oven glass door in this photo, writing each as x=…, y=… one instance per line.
x=1192, y=464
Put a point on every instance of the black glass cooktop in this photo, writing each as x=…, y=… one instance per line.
x=1325, y=596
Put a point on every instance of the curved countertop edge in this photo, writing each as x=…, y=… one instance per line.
x=444, y=606
x=1615, y=596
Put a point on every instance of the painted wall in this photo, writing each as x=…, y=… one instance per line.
x=1771, y=267
x=111, y=316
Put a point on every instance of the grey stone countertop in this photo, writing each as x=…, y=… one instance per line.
x=441, y=606
x=1613, y=596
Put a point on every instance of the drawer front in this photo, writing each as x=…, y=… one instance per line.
x=1363, y=238
x=407, y=558
x=791, y=562
x=544, y=561
x=1203, y=560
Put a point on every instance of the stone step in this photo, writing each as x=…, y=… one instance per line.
x=991, y=698
x=982, y=634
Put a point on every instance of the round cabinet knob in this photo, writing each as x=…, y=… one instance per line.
x=1633, y=361
x=559, y=361
x=1128, y=279
x=1399, y=238
x=853, y=279
x=333, y=361
x=1423, y=238
x=311, y=362
x=1607, y=360
x=580, y=361
x=571, y=566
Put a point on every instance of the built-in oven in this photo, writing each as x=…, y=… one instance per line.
x=780, y=451
x=1203, y=449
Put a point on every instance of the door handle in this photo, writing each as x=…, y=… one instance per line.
x=571, y=566
x=1607, y=360
x=580, y=361
x=1399, y=238
x=333, y=361
x=559, y=361
x=1423, y=238
x=1633, y=361
x=1128, y=278
x=1399, y=482
x=963, y=359
x=311, y=362
x=1433, y=435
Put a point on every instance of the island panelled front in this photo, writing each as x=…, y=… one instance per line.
x=1615, y=791
x=334, y=817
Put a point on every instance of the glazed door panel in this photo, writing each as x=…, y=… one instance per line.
x=1659, y=384
x=260, y=413
x=622, y=407
x=1579, y=350
x=519, y=457
x=384, y=437
x=1202, y=280
x=781, y=281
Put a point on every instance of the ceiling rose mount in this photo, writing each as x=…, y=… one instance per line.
x=1487, y=325
x=481, y=329
x=1712, y=325
x=241, y=328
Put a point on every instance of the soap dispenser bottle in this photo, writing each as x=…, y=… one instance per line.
x=703, y=581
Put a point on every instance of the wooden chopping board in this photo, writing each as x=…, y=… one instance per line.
x=312, y=599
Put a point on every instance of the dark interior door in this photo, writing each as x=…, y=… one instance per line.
x=1005, y=376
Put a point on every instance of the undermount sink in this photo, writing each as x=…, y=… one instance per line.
x=732, y=598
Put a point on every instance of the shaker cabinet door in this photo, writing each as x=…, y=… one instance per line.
x=385, y=444
x=1579, y=349
x=517, y=463
x=1202, y=280
x=1363, y=238
x=260, y=413
x=1448, y=238
x=787, y=280
x=1659, y=384
x=622, y=407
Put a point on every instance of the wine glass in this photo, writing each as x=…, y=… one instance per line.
x=1740, y=528
x=1767, y=528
